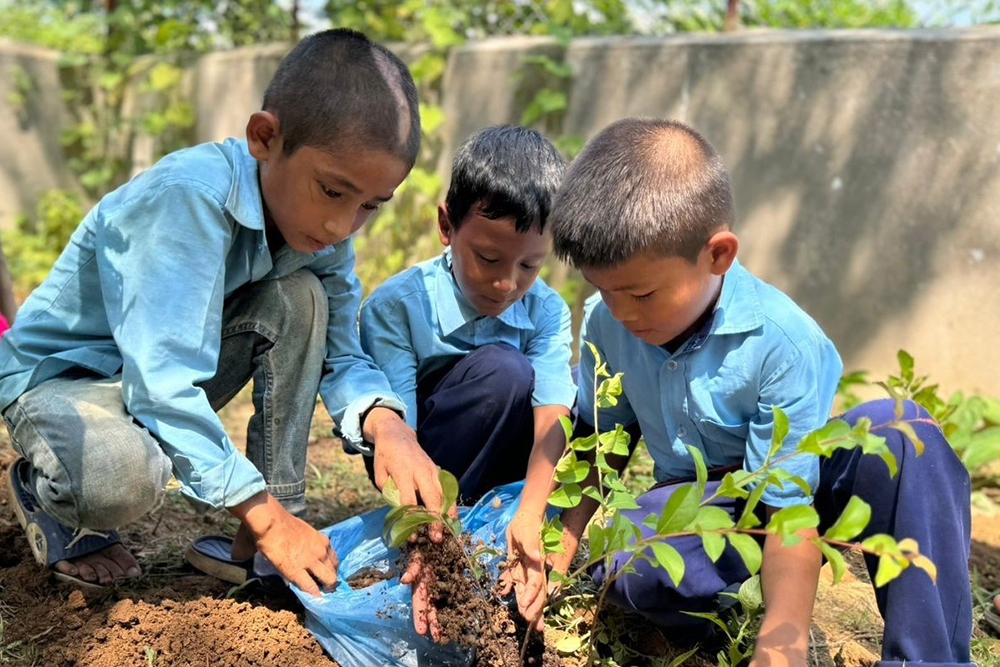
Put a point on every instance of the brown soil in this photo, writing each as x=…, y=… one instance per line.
x=170, y=617
x=368, y=576
x=469, y=613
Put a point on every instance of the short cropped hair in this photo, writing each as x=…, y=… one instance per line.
x=505, y=171
x=337, y=87
x=641, y=185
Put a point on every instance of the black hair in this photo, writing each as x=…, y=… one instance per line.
x=641, y=184
x=338, y=88
x=505, y=171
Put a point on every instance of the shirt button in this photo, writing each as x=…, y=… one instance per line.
x=671, y=365
x=681, y=432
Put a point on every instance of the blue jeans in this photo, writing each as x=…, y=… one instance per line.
x=475, y=418
x=93, y=466
x=927, y=500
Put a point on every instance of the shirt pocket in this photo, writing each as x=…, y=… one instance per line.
x=726, y=440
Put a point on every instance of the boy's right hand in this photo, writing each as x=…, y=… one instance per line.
x=296, y=549
x=398, y=456
x=526, y=574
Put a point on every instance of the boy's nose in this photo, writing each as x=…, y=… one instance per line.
x=505, y=285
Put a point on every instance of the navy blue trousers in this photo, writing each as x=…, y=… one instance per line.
x=928, y=500
x=475, y=418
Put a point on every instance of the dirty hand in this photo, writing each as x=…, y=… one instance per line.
x=526, y=574
x=300, y=553
x=399, y=457
x=424, y=613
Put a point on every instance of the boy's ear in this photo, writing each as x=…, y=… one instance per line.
x=445, y=229
x=722, y=248
x=263, y=135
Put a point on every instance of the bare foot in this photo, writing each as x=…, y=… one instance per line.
x=244, y=546
x=105, y=566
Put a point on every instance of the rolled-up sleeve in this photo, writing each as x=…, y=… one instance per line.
x=352, y=383
x=162, y=267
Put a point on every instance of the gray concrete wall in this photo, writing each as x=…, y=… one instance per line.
x=31, y=157
x=866, y=164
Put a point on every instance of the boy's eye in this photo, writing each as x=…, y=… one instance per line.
x=643, y=297
x=485, y=259
x=370, y=207
x=332, y=194
x=529, y=267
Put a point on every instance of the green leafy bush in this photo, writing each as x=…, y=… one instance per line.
x=34, y=244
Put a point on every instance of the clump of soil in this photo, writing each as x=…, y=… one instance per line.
x=368, y=576
x=467, y=611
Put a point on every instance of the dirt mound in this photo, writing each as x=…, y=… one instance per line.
x=223, y=633
x=170, y=617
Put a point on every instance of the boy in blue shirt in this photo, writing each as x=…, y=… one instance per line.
x=707, y=350
x=476, y=345
x=222, y=263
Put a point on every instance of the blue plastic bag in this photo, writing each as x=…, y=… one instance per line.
x=373, y=626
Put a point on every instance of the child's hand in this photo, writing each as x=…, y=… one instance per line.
x=526, y=574
x=424, y=613
x=399, y=457
x=300, y=553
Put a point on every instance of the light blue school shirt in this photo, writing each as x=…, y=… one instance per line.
x=758, y=349
x=139, y=290
x=418, y=321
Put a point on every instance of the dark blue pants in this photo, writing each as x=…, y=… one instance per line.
x=475, y=418
x=928, y=500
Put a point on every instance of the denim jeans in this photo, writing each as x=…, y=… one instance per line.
x=93, y=466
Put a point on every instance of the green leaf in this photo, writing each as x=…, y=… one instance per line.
x=569, y=644
x=669, y=560
x=711, y=517
x=552, y=531
x=788, y=521
x=889, y=567
x=615, y=442
x=749, y=517
x=596, y=540
x=748, y=548
x=595, y=352
x=701, y=472
x=750, y=595
x=983, y=448
x=714, y=544
x=391, y=493
x=851, y=522
x=730, y=485
x=584, y=444
x=779, y=431
x=905, y=365
x=567, y=426
x=835, y=558
x=449, y=490
x=404, y=527
x=906, y=428
x=679, y=510
x=568, y=495
x=622, y=500
x=577, y=473
x=593, y=493
x=609, y=390
x=679, y=660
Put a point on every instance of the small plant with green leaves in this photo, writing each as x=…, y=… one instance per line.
x=584, y=472
x=970, y=423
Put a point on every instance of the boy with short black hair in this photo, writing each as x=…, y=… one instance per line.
x=221, y=263
x=707, y=351
x=473, y=341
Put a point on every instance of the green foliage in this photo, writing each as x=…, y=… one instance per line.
x=830, y=14
x=690, y=509
x=970, y=423
x=36, y=240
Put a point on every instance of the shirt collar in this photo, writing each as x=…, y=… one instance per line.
x=244, y=202
x=738, y=309
x=454, y=311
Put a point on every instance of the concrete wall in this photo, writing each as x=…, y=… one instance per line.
x=866, y=164
x=31, y=157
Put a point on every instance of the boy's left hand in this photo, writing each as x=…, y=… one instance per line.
x=526, y=575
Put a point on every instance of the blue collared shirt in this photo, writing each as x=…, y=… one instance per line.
x=758, y=350
x=419, y=320
x=139, y=290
